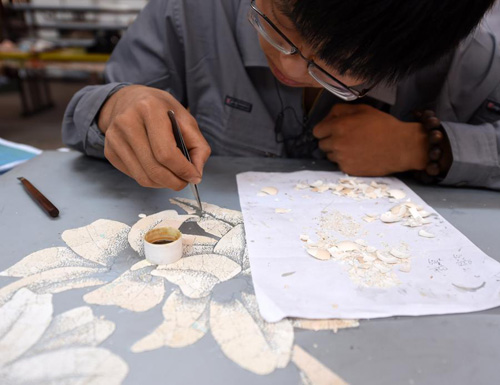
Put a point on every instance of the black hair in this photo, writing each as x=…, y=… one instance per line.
x=383, y=40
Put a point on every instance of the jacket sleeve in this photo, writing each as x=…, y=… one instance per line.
x=476, y=154
x=151, y=53
x=475, y=137
x=475, y=146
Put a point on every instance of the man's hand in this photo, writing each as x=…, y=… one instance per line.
x=140, y=141
x=367, y=142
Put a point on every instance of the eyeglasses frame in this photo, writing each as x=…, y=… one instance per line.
x=310, y=62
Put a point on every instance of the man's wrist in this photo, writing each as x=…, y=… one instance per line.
x=418, y=147
x=104, y=116
x=440, y=157
x=447, y=158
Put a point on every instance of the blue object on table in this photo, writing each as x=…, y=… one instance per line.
x=13, y=154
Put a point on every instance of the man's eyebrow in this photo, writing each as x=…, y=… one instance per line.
x=277, y=19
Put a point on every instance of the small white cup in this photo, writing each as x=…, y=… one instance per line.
x=163, y=245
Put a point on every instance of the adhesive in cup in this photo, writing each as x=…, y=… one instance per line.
x=163, y=246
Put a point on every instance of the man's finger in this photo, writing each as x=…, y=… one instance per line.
x=328, y=147
x=114, y=159
x=325, y=145
x=327, y=126
x=164, y=146
x=343, y=109
x=125, y=160
x=332, y=157
x=198, y=147
x=199, y=156
x=323, y=130
x=157, y=172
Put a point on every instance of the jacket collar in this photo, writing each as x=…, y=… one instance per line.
x=474, y=73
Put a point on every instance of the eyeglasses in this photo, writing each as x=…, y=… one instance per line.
x=278, y=40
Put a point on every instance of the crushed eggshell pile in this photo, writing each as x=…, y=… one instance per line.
x=335, y=221
x=409, y=213
x=367, y=266
x=354, y=188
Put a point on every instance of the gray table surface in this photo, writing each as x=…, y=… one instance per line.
x=452, y=349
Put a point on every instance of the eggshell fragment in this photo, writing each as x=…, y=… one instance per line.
x=347, y=246
x=318, y=183
x=397, y=194
x=426, y=234
x=320, y=254
x=304, y=237
x=389, y=217
x=399, y=254
x=384, y=257
x=269, y=190
x=321, y=189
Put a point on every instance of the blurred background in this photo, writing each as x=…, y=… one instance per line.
x=49, y=49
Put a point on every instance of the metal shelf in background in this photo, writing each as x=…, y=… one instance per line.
x=83, y=26
x=118, y=9
x=70, y=43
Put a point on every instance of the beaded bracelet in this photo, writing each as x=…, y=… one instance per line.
x=437, y=137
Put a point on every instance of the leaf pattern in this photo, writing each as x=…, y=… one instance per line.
x=77, y=327
x=233, y=245
x=231, y=217
x=186, y=321
x=141, y=264
x=134, y=290
x=38, y=349
x=324, y=324
x=75, y=366
x=247, y=339
x=315, y=372
x=196, y=276
x=196, y=244
x=92, y=251
x=23, y=320
x=54, y=281
x=99, y=242
x=47, y=259
x=214, y=227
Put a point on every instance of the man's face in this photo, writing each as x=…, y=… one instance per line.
x=291, y=70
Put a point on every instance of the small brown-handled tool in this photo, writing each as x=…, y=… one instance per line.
x=46, y=205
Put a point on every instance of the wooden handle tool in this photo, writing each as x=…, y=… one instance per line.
x=46, y=205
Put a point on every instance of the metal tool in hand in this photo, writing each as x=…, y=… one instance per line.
x=182, y=146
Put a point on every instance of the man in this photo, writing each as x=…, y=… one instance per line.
x=290, y=83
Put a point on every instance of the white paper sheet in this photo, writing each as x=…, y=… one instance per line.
x=449, y=274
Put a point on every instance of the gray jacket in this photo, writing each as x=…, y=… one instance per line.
x=207, y=55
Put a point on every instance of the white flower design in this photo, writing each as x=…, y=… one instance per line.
x=98, y=255
x=91, y=252
x=37, y=348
